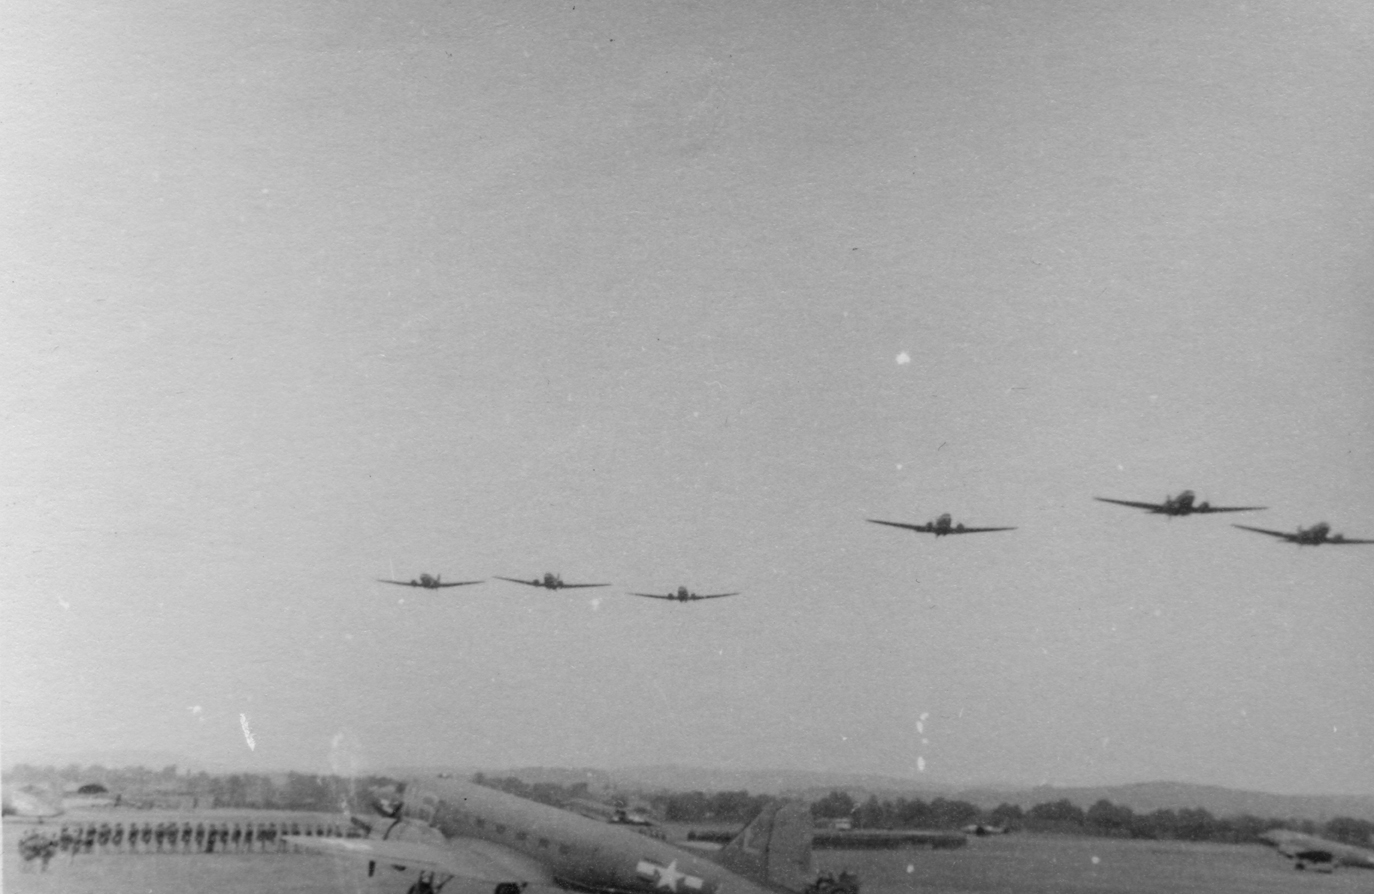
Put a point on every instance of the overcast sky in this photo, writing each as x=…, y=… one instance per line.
x=303, y=295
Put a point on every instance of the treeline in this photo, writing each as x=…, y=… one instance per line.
x=138, y=786
x=700, y=807
x=1103, y=819
x=550, y=793
x=674, y=807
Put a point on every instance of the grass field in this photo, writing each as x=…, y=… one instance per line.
x=1028, y=864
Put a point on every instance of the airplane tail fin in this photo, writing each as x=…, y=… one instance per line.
x=775, y=849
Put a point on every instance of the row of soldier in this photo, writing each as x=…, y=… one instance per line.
x=172, y=836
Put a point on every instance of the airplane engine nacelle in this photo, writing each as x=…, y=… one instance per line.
x=1203, y=506
x=959, y=527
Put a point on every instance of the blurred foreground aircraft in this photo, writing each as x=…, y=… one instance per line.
x=548, y=582
x=30, y=801
x=1314, y=536
x=684, y=595
x=940, y=527
x=429, y=583
x=1180, y=505
x=445, y=829
x=1321, y=854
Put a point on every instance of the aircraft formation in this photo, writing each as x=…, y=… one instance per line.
x=549, y=581
x=1183, y=504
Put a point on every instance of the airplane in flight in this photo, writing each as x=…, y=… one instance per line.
x=1180, y=505
x=1314, y=536
x=1320, y=854
x=548, y=582
x=445, y=829
x=429, y=583
x=941, y=527
x=684, y=595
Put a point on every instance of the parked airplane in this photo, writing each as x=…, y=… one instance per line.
x=608, y=813
x=1313, y=536
x=940, y=527
x=446, y=829
x=1321, y=854
x=684, y=595
x=548, y=582
x=429, y=583
x=1180, y=505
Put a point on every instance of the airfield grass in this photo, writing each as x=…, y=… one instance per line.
x=1027, y=864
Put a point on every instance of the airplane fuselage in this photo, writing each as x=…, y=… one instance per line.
x=580, y=853
x=1319, y=853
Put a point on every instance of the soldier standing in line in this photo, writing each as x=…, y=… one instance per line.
x=237, y=836
x=248, y=836
x=64, y=840
x=103, y=837
x=187, y=833
x=159, y=835
x=117, y=837
x=90, y=837
x=200, y=837
x=147, y=835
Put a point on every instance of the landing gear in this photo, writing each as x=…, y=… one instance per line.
x=427, y=884
x=827, y=883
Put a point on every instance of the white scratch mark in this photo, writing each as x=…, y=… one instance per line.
x=903, y=358
x=247, y=733
x=910, y=868
x=198, y=712
x=920, y=764
x=1096, y=859
x=595, y=603
x=64, y=603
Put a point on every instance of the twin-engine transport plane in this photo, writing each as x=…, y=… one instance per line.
x=940, y=527
x=1320, y=854
x=684, y=595
x=429, y=583
x=1314, y=536
x=446, y=829
x=548, y=582
x=1180, y=505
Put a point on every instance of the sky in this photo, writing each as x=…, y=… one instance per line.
x=300, y=296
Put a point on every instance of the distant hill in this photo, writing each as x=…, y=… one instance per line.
x=1146, y=797
x=1143, y=797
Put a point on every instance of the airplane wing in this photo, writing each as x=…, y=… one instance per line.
x=716, y=595
x=459, y=583
x=466, y=858
x=924, y=529
x=579, y=586
x=1291, y=538
x=1157, y=507
x=653, y=596
x=516, y=580
x=1330, y=542
x=399, y=583
x=976, y=530
x=1197, y=509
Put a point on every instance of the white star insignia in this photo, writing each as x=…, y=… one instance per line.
x=668, y=876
